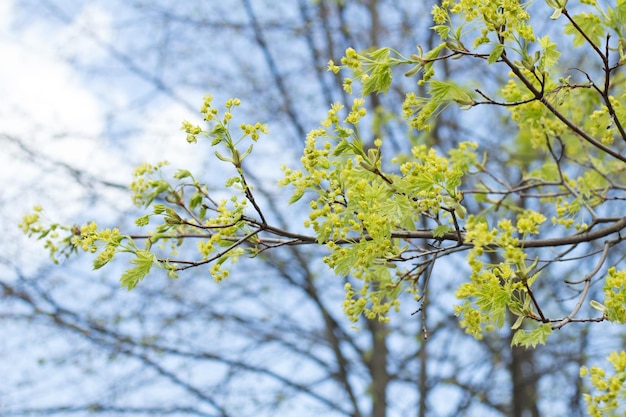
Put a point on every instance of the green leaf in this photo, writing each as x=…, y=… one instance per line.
x=195, y=200
x=532, y=279
x=341, y=147
x=441, y=230
x=558, y=7
x=617, y=15
x=182, y=173
x=143, y=262
x=598, y=306
x=442, y=30
x=220, y=132
x=434, y=53
x=222, y=157
x=413, y=71
x=493, y=300
x=297, y=195
x=532, y=338
x=460, y=211
x=158, y=187
x=590, y=24
x=439, y=90
x=495, y=53
x=517, y=323
x=448, y=91
x=424, y=182
x=556, y=14
x=379, y=80
x=102, y=260
x=550, y=55
x=381, y=54
x=246, y=153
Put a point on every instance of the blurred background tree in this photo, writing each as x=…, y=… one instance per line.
x=272, y=340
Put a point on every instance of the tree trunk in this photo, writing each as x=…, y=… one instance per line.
x=523, y=378
x=378, y=368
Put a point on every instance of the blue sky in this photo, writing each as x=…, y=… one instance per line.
x=54, y=115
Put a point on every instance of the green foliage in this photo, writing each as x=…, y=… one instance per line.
x=615, y=296
x=143, y=262
x=34, y=225
x=592, y=29
x=610, y=396
x=385, y=220
x=532, y=338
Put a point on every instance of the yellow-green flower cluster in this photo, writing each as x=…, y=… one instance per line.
x=536, y=122
x=509, y=243
x=255, y=130
x=357, y=112
x=352, y=59
x=507, y=17
x=612, y=389
x=207, y=110
x=354, y=305
x=427, y=178
x=615, y=295
x=192, y=131
x=31, y=222
x=471, y=320
x=33, y=225
x=332, y=118
x=347, y=85
x=494, y=289
x=568, y=210
x=478, y=233
x=529, y=222
x=218, y=273
x=440, y=14
x=601, y=124
x=512, y=93
x=355, y=201
x=368, y=302
x=145, y=168
x=145, y=188
x=417, y=111
x=333, y=67
x=487, y=296
x=90, y=238
x=228, y=115
x=315, y=160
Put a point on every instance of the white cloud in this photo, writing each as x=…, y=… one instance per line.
x=6, y=11
x=40, y=92
x=50, y=111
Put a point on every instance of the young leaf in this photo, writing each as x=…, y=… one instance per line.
x=182, y=173
x=517, y=323
x=532, y=338
x=550, y=54
x=222, y=157
x=143, y=262
x=495, y=53
x=441, y=230
x=195, y=200
x=297, y=195
x=598, y=306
